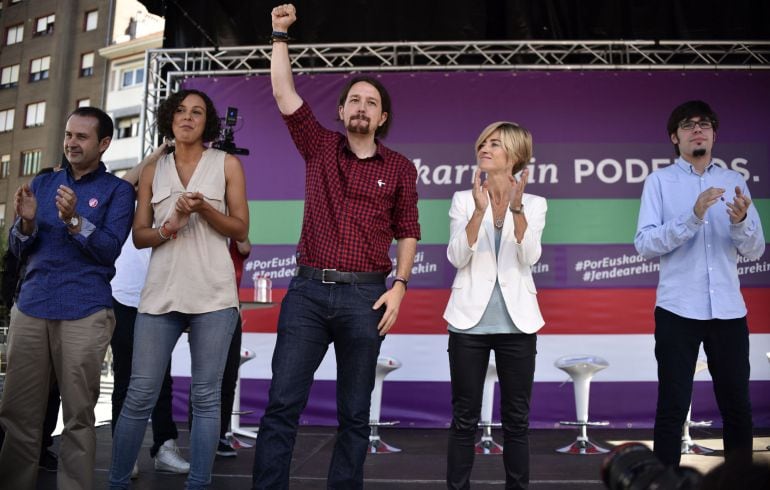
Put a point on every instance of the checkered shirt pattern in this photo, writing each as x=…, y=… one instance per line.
x=354, y=208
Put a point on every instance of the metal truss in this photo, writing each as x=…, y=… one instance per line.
x=167, y=68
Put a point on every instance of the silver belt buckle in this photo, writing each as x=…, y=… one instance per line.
x=323, y=276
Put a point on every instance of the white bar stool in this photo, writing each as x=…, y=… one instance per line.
x=487, y=444
x=688, y=446
x=581, y=369
x=385, y=365
x=235, y=418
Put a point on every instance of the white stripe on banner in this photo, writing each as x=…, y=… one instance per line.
x=424, y=358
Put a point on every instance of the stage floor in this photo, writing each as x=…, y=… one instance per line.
x=420, y=465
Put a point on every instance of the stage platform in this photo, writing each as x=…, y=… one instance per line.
x=420, y=465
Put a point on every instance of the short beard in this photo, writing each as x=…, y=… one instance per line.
x=699, y=152
x=358, y=128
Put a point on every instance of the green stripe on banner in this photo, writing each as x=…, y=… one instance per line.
x=275, y=222
x=569, y=221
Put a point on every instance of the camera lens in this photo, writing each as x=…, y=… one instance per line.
x=632, y=466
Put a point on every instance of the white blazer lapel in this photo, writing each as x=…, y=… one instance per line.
x=489, y=227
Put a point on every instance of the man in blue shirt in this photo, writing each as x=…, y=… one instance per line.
x=70, y=225
x=698, y=217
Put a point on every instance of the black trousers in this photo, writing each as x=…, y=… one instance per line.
x=468, y=361
x=229, y=378
x=122, y=343
x=726, y=343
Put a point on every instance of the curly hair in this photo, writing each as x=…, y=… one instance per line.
x=169, y=106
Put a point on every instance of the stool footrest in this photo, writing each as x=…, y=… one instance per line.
x=590, y=424
x=243, y=412
x=583, y=447
x=490, y=424
x=700, y=423
x=690, y=447
x=374, y=423
x=378, y=446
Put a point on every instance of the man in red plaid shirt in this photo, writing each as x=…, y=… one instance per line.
x=360, y=195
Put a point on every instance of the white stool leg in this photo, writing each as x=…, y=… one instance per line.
x=582, y=370
x=688, y=445
x=487, y=444
x=376, y=445
x=235, y=418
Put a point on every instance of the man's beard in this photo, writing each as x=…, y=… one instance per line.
x=699, y=152
x=358, y=128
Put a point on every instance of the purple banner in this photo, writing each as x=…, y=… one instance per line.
x=597, y=134
x=428, y=404
x=560, y=266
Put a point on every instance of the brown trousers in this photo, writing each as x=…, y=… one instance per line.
x=73, y=351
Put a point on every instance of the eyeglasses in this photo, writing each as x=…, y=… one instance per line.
x=690, y=125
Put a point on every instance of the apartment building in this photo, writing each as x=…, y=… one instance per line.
x=125, y=87
x=49, y=65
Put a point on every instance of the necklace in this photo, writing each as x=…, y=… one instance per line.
x=499, y=221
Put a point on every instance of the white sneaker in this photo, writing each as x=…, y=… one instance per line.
x=135, y=471
x=169, y=460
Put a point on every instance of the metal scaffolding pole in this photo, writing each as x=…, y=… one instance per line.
x=167, y=68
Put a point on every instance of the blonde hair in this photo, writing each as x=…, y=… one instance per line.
x=516, y=141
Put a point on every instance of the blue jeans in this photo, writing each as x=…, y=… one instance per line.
x=468, y=361
x=313, y=315
x=154, y=339
x=122, y=343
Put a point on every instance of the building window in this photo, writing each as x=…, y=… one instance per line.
x=38, y=69
x=6, y=119
x=2, y=211
x=44, y=25
x=5, y=166
x=35, y=115
x=132, y=77
x=127, y=127
x=92, y=20
x=30, y=162
x=87, y=65
x=15, y=34
x=9, y=76
x=84, y=102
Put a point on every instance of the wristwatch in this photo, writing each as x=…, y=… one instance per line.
x=518, y=210
x=73, y=222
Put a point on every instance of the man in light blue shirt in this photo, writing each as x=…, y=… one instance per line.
x=698, y=217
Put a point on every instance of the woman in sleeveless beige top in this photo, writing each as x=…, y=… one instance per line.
x=189, y=204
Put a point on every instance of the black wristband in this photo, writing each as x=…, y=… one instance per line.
x=279, y=37
x=401, y=280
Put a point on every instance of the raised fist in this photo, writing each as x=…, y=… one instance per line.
x=283, y=16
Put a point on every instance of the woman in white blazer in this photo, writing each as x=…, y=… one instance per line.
x=495, y=232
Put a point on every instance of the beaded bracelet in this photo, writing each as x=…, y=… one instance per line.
x=164, y=237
